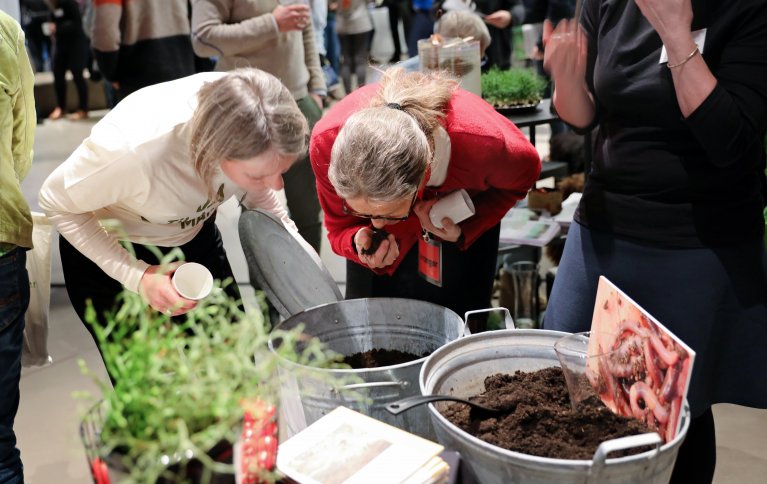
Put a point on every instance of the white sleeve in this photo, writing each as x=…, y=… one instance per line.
x=268, y=200
x=71, y=195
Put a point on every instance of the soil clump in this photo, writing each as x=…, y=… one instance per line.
x=537, y=418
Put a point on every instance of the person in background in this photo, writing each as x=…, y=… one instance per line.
x=69, y=54
x=398, y=9
x=456, y=23
x=278, y=39
x=354, y=26
x=17, y=106
x=500, y=16
x=672, y=209
x=221, y=135
x=142, y=42
x=33, y=14
x=421, y=24
x=385, y=154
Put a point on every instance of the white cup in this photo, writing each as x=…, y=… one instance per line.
x=457, y=207
x=193, y=281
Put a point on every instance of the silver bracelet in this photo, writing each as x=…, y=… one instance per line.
x=686, y=59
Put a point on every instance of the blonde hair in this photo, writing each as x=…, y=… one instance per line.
x=241, y=115
x=464, y=23
x=382, y=151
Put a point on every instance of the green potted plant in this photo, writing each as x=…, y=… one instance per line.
x=512, y=88
x=184, y=393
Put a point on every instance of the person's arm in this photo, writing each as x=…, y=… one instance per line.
x=212, y=36
x=312, y=59
x=567, y=54
x=341, y=227
x=512, y=167
x=267, y=200
x=106, y=37
x=24, y=117
x=70, y=203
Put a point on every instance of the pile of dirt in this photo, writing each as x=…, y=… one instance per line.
x=537, y=418
x=377, y=358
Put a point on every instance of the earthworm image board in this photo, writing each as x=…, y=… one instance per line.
x=636, y=365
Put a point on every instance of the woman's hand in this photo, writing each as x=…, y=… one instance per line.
x=672, y=19
x=449, y=231
x=499, y=19
x=565, y=52
x=291, y=17
x=565, y=57
x=157, y=289
x=386, y=254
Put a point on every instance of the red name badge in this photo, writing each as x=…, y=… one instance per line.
x=430, y=260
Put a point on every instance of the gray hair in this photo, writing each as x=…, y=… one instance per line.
x=382, y=151
x=242, y=115
x=464, y=23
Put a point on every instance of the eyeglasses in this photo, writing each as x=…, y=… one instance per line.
x=349, y=211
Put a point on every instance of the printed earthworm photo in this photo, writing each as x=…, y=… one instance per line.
x=641, y=369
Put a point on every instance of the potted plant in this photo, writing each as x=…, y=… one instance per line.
x=184, y=393
x=512, y=88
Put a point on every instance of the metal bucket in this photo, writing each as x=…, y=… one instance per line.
x=354, y=326
x=460, y=368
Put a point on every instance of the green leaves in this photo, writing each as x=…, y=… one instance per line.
x=179, y=388
x=512, y=87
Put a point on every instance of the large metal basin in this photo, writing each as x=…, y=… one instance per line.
x=354, y=326
x=460, y=368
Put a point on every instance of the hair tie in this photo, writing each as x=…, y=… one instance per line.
x=396, y=106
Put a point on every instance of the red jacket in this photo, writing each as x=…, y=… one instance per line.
x=490, y=158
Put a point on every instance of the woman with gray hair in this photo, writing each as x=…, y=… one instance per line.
x=162, y=177
x=384, y=155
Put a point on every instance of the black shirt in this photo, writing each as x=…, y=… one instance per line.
x=656, y=176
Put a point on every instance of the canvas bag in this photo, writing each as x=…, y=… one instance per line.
x=35, y=351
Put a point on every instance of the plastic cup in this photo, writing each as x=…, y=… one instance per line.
x=457, y=207
x=581, y=370
x=193, y=281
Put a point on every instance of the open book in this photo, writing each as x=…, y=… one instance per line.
x=347, y=447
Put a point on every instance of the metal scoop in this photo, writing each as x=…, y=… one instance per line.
x=405, y=404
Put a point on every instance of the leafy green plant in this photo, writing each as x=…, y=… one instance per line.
x=179, y=389
x=512, y=87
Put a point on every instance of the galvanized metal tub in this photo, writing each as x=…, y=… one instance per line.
x=460, y=368
x=354, y=326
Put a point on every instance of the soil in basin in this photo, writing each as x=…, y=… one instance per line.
x=537, y=418
x=377, y=358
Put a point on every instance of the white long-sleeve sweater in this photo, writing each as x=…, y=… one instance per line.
x=135, y=169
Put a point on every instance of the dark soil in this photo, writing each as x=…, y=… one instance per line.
x=377, y=358
x=537, y=418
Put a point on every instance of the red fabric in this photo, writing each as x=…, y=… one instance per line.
x=490, y=158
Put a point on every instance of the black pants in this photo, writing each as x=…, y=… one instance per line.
x=467, y=278
x=696, y=460
x=70, y=55
x=86, y=281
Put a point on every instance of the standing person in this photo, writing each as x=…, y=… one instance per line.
x=17, y=106
x=500, y=16
x=69, y=54
x=280, y=40
x=162, y=177
x=354, y=25
x=672, y=209
x=421, y=24
x=33, y=14
x=141, y=42
x=385, y=154
x=399, y=9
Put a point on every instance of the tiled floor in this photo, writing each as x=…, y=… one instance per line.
x=47, y=423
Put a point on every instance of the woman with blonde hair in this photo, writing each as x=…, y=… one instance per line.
x=162, y=177
x=386, y=154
